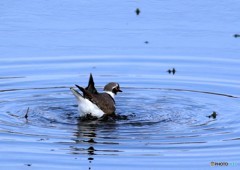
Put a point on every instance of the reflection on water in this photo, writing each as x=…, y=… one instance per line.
x=85, y=131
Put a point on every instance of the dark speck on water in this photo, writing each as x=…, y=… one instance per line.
x=26, y=115
x=213, y=115
x=236, y=35
x=137, y=11
x=172, y=71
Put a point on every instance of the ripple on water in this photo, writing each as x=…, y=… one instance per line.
x=155, y=126
x=151, y=122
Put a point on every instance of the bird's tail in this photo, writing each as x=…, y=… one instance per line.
x=91, y=86
x=76, y=93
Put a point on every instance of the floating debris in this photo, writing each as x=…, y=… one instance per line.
x=43, y=139
x=12, y=115
x=213, y=115
x=26, y=115
x=146, y=42
x=173, y=71
x=236, y=35
x=28, y=164
x=137, y=11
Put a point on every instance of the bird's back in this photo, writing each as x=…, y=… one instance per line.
x=105, y=102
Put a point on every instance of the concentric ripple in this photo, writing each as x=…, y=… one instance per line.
x=151, y=122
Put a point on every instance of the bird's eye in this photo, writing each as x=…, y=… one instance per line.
x=115, y=90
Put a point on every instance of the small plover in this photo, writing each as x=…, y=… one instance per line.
x=96, y=104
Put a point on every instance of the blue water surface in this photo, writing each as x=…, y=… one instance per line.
x=48, y=46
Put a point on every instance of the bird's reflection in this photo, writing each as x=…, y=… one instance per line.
x=85, y=137
x=86, y=134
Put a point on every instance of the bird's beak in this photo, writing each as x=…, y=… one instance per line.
x=119, y=90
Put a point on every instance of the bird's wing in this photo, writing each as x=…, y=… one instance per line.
x=86, y=94
x=105, y=102
x=76, y=93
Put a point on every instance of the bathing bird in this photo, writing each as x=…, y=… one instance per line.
x=95, y=104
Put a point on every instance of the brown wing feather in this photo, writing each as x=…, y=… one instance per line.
x=86, y=94
x=105, y=102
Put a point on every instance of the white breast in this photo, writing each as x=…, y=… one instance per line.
x=110, y=93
